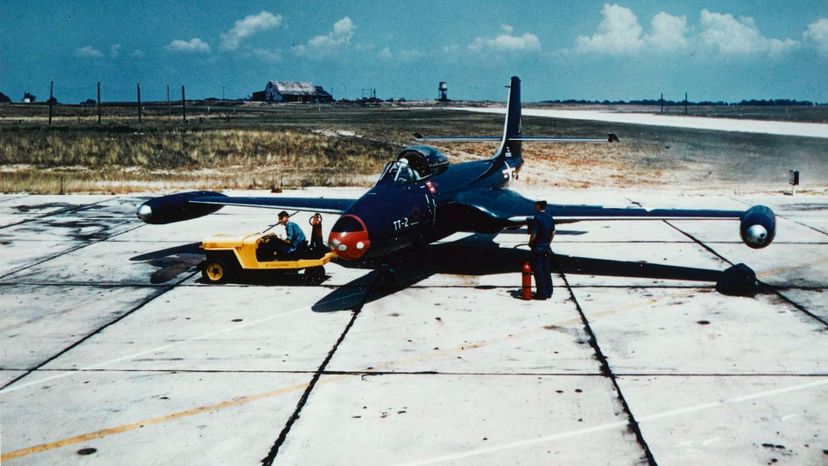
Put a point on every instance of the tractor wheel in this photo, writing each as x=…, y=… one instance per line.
x=314, y=275
x=214, y=270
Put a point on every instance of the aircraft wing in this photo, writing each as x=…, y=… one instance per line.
x=309, y=204
x=509, y=207
x=194, y=204
x=490, y=210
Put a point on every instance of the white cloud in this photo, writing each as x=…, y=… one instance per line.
x=507, y=41
x=138, y=53
x=411, y=55
x=668, y=32
x=739, y=36
x=88, y=52
x=619, y=32
x=817, y=34
x=194, y=45
x=114, y=50
x=248, y=26
x=340, y=35
x=385, y=54
x=403, y=55
x=272, y=56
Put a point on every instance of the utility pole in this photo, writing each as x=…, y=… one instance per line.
x=99, y=102
x=183, y=104
x=685, y=103
x=140, y=119
x=169, y=109
x=662, y=102
x=222, y=93
x=51, y=99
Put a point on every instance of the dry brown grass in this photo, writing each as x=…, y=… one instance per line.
x=70, y=161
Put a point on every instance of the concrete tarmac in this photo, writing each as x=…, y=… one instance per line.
x=113, y=351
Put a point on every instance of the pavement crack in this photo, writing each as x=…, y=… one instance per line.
x=607, y=371
x=274, y=450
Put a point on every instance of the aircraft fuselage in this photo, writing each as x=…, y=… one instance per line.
x=394, y=216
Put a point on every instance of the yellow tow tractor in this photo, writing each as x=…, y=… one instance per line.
x=228, y=255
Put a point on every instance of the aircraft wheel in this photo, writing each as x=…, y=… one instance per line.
x=214, y=270
x=314, y=275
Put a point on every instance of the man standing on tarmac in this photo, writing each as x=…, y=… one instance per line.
x=541, y=231
x=295, y=238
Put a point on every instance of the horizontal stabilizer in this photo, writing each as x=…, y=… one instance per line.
x=420, y=137
x=554, y=139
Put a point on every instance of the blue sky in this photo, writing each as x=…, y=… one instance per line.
x=714, y=50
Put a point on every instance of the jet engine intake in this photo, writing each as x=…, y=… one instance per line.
x=176, y=207
x=758, y=227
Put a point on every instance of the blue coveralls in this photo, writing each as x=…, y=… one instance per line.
x=542, y=226
x=296, y=237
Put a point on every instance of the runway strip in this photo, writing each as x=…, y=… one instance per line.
x=781, y=128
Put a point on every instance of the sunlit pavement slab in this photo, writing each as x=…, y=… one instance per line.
x=461, y=419
x=110, y=262
x=15, y=209
x=462, y=330
x=38, y=322
x=7, y=376
x=815, y=300
x=148, y=418
x=216, y=328
x=689, y=331
x=802, y=265
x=731, y=420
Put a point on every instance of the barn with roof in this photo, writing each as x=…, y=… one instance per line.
x=284, y=91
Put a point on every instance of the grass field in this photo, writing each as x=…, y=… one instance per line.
x=346, y=145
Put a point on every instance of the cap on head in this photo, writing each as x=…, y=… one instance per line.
x=540, y=205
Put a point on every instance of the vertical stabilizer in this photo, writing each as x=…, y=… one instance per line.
x=510, y=143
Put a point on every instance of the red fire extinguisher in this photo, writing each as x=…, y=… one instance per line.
x=526, y=281
x=316, y=241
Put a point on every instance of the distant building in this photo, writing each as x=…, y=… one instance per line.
x=283, y=91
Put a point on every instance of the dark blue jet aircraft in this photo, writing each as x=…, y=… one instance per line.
x=420, y=198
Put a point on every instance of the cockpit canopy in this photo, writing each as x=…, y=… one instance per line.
x=415, y=163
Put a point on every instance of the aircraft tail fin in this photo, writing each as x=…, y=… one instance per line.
x=510, y=143
x=512, y=139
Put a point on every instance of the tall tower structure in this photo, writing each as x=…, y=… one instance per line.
x=442, y=90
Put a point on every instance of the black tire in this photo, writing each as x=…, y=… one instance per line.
x=215, y=270
x=314, y=275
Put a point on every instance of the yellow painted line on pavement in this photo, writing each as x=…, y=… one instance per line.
x=146, y=422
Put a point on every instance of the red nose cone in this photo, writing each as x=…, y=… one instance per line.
x=349, y=237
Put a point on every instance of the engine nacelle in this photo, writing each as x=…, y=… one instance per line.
x=758, y=227
x=177, y=207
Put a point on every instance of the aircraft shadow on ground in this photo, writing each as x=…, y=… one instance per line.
x=476, y=255
x=171, y=262
x=480, y=255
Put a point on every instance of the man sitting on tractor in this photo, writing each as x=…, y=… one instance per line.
x=294, y=238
